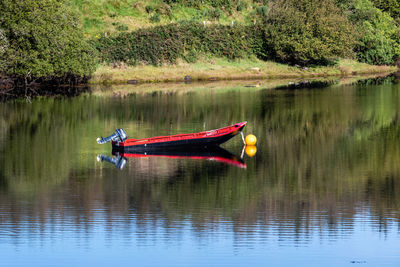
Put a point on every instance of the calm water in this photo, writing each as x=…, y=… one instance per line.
x=322, y=189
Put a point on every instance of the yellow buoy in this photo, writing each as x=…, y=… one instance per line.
x=250, y=150
x=250, y=140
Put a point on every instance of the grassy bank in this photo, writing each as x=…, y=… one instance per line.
x=123, y=90
x=221, y=69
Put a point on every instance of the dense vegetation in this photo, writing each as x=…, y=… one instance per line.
x=49, y=38
x=307, y=31
x=42, y=39
x=390, y=6
x=379, y=41
x=288, y=31
x=165, y=44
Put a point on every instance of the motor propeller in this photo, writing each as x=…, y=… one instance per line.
x=118, y=161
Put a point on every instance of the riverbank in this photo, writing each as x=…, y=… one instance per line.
x=179, y=88
x=222, y=69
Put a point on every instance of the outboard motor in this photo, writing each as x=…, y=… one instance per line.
x=118, y=161
x=118, y=136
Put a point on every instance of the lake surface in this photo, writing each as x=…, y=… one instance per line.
x=323, y=188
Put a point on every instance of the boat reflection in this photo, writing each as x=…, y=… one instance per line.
x=214, y=153
x=118, y=160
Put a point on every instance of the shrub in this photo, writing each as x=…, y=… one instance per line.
x=155, y=18
x=192, y=56
x=164, y=9
x=43, y=39
x=242, y=5
x=307, y=32
x=379, y=41
x=214, y=13
x=167, y=43
x=149, y=9
x=262, y=11
x=121, y=27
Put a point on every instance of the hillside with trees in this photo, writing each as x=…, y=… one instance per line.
x=66, y=40
x=287, y=31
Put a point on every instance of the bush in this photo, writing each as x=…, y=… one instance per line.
x=149, y=9
x=242, y=5
x=379, y=41
x=192, y=56
x=42, y=39
x=155, y=18
x=167, y=43
x=214, y=13
x=262, y=11
x=390, y=6
x=307, y=32
x=121, y=27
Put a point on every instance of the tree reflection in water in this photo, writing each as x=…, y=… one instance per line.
x=325, y=157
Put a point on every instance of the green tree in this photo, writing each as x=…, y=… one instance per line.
x=379, y=41
x=42, y=38
x=308, y=31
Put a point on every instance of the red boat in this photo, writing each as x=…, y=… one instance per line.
x=202, y=139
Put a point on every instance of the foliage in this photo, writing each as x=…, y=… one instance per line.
x=214, y=13
x=307, y=31
x=149, y=9
x=242, y=5
x=165, y=44
x=3, y=47
x=43, y=39
x=120, y=27
x=390, y=6
x=262, y=11
x=379, y=34
x=155, y=18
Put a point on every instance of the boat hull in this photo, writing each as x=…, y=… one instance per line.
x=202, y=139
